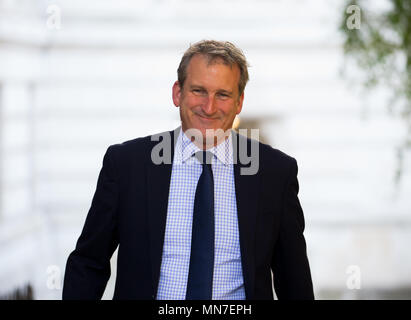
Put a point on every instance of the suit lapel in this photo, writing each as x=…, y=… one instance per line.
x=247, y=192
x=158, y=183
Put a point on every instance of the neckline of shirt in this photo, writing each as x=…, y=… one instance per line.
x=185, y=149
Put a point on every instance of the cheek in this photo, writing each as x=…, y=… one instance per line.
x=193, y=101
x=229, y=109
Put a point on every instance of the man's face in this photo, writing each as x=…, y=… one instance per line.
x=209, y=98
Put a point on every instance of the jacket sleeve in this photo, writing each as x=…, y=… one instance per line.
x=88, y=266
x=291, y=270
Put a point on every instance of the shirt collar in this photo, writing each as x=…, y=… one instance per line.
x=185, y=149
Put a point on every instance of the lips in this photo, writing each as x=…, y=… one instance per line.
x=206, y=118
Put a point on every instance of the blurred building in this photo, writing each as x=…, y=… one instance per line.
x=78, y=76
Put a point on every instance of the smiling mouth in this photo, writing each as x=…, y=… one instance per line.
x=206, y=118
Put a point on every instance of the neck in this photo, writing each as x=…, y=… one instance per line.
x=208, y=142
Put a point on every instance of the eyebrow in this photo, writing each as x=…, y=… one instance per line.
x=225, y=91
x=194, y=86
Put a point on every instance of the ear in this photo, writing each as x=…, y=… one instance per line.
x=240, y=103
x=176, y=93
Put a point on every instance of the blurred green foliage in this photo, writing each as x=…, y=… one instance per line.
x=381, y=48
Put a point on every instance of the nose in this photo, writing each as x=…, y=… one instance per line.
x=209, y=106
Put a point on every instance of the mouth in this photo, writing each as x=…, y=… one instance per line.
x=205, y=118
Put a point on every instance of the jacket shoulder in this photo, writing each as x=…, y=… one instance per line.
x=268, y=154
x=272, y=154
x=136, y=150
x=141, y=143
x=276, y=162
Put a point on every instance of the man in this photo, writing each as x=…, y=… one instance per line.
x=195, y=227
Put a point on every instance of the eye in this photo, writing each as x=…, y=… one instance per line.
x=198, y=91
x=223, y=95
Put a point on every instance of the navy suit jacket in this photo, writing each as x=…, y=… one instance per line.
x=129, y=210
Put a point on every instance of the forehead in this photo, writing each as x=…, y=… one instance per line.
x=213, y=69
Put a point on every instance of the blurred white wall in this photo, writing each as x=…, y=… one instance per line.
x=77, y=76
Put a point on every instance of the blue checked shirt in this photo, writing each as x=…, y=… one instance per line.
x=228, y=280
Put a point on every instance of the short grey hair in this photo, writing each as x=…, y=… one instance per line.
x=215, y=50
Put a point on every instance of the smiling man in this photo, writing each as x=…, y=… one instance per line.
x=195, y=228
